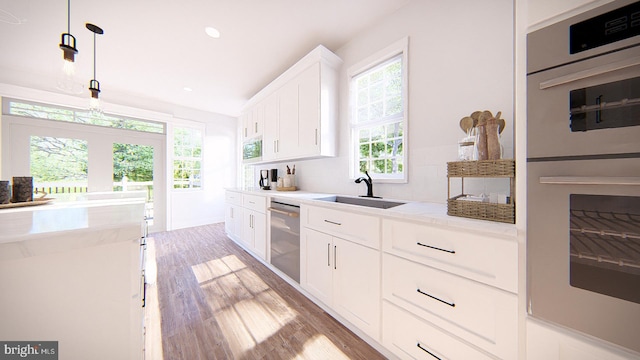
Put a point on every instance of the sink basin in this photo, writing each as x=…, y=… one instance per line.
x=360, y=201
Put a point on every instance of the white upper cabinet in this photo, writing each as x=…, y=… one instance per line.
x=310, y=114
x=253, y=122
x=287, y=125
x=298, y=110
x=270, y=134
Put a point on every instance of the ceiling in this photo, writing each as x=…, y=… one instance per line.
x=152, y=49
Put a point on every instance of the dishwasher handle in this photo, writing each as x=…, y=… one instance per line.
x=287, y=213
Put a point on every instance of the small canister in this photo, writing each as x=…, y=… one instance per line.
x=5, y=191
x=22, y=189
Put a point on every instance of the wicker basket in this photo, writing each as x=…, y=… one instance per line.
x=482, y=168
x=481, y=210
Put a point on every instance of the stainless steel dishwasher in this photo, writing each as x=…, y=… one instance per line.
x=285, y=238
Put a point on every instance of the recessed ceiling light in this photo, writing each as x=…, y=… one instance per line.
x=213, y=32
x=188, y=89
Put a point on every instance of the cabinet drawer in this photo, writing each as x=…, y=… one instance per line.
x=412, y=338
x=232, y=197
x=487, y=259
x=359, y=228
x=255, y=202
x=484, y=316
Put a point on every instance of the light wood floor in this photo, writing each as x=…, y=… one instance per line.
x=216, y=302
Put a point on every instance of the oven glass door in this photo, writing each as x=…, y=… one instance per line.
x=605, y=106
x=586, y=108
x=583, y=246
x=604, y=245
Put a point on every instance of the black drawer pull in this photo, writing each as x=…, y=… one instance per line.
x=435, y=298
x=332, y=222
x=436, y=248
x=427, y=351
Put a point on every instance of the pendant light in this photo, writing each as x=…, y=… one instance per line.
x=67, y=82
x=94, y=85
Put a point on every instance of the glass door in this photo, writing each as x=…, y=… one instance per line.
x=68, y=160
x=133, y=171
x=59, y=166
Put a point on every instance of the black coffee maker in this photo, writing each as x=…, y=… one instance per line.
x=268, y=177
x=264, y=180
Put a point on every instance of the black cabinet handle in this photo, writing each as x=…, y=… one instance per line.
x=335, y=259
x=332, y=222
x=144, y=291
x=599, y=111
x=436, y=248
x=435, y=298
x=427, y=351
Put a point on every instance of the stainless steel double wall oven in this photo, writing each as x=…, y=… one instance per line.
x=583, y=173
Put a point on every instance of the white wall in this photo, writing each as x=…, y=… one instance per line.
x=460, y=60
x=198, y=207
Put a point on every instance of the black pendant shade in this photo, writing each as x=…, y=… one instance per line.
x=68, y=41
x=94, y=85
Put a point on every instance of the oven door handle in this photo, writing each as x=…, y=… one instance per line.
x=590, y=180
x=598, y=70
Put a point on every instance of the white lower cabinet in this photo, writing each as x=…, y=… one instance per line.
x=344, y=276
x=254, y=232
x=315, y=268
x=233, y=215
x=484, y=316
x=233, y=221
x=548, y=342
x=410, y=337
x=246, y=221
x=451, y=287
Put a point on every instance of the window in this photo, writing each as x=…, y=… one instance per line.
x=59, y=165
x=57, y=113
x=187, y=158
x=378, y=89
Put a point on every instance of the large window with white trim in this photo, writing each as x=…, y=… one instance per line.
x=187, y=158
x=378, y=102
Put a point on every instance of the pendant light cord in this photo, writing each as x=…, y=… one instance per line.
x=69, y=16
x=94, y=55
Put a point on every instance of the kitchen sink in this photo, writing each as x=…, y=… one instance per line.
x=361, y=201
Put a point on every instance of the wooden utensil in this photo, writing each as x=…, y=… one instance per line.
x=466, y=124
x=501, y=122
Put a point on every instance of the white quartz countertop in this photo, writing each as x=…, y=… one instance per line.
x=425, y=212
x=60, y=226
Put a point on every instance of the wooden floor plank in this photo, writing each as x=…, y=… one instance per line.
x=216, y=301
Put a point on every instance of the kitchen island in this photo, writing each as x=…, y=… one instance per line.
x=72, y=272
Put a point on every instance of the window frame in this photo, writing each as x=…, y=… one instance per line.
x=398, y=48
x=190, y=126
x=67, y=114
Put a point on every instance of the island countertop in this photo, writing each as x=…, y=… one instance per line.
x=61, y=226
